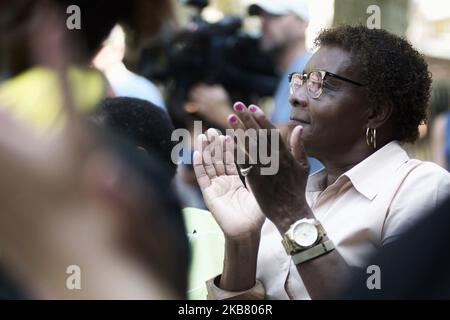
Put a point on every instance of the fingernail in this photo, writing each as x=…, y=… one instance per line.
x=252, y=109
x=227, y=139
x=210, y=132
x=300, y=129
x=232, y=119
x=238, y=106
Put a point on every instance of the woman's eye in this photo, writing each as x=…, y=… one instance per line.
x=328, y=86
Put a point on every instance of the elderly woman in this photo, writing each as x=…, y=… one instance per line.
x=362, y=94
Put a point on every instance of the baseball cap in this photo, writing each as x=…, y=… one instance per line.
x=280, y=7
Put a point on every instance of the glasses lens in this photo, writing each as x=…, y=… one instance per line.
x=296, y=82
x=314, y=84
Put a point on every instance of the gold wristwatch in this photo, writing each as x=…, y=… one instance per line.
x=302, y=235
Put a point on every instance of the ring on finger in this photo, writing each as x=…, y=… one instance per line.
x=245, y=171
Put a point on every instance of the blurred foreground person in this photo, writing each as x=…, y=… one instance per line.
x=417, y=266
x=93, y=203
x=79, y=198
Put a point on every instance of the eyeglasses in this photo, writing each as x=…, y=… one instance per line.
x=314, y=81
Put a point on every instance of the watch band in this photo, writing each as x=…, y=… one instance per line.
x=320, y=228
x=313, y=252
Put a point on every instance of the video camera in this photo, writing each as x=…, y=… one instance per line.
x=212, y=53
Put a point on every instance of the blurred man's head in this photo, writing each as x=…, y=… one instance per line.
x=142, y=19
x=284, y=23
x=146, y=125
x=21, y=21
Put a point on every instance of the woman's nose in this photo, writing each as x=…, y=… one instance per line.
x=299, y=98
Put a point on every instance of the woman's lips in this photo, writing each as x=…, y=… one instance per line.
x=297, y=122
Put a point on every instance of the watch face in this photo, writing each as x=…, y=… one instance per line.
x=305, y=234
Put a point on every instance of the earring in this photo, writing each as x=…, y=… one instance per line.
x=371, y=137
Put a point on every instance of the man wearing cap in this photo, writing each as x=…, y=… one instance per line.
x=284, y=23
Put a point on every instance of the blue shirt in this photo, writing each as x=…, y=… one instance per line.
x=128, y=84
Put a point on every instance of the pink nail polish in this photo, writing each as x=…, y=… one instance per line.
x=232, y=119
x=252, y=109
x=227, y=138
x=239, y=106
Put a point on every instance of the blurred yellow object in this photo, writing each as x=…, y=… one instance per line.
x=35, y=95
x=207, y=243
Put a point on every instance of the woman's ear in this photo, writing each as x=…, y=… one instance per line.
x=380, y=114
